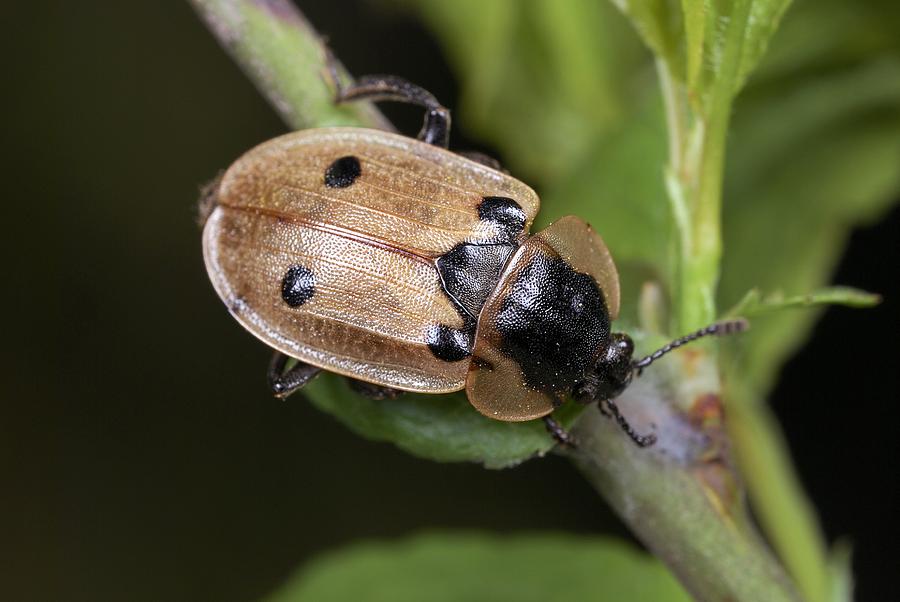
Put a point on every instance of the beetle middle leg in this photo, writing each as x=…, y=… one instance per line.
x=562, y=436
x=282, y=382
x=436, y=127
x=373, y=391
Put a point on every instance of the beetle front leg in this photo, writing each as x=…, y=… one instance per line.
x=609, y=409
x=284, y=383
x=436, y=127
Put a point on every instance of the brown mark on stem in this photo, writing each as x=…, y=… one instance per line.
x=692, y=360
x=713, y=467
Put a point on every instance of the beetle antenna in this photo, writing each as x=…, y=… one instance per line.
x=717, y=328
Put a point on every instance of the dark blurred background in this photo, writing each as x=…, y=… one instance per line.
x=141, y=455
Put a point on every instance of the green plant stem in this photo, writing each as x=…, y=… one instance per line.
x=681, y=497
x=697, y=128
x=286, y=59
x=698, y=125
x=678, y=179
x=694, y=183
x=675, y=105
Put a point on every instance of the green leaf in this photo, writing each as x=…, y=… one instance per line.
x=754, y=304
x=445, y=428
x=706, y=43
x=472, y=567
x=660, y=24
x=762, y=22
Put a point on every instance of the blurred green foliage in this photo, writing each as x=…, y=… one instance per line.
x=810, y=157
x=543, y=80
x=441, y=567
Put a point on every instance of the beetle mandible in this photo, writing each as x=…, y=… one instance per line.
x=407, y=267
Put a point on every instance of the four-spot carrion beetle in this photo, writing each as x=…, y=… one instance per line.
x=395, y=262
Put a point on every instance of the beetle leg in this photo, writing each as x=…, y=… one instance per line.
x=484, y=159
x=373, y=391
x=436, y=127
x=562, y=436
x=602, y=407
x=609, y=408
x=208, y=199
x=284, y=383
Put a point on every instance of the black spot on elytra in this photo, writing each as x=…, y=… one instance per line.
x=553, y=323
x=506, y=213
x=469, y=273
x=343, y=172
x=449, y=344
x=298, y=286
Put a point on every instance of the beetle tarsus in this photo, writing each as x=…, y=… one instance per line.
x=373, y=391
x=284, y=383
x=561, y=435
x=436, y=127
x=609, y=408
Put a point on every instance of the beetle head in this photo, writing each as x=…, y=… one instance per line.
x=615, y=367
x=611, y=374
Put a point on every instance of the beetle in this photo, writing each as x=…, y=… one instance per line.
x=406, y=267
